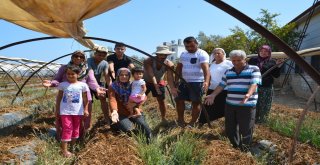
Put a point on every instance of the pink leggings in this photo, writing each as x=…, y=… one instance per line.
x=70, y=127
x=134, y=98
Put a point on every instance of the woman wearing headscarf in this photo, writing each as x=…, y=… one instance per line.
x=218, y=67
x=118, y=94
x=86, y=75
x=265, y=90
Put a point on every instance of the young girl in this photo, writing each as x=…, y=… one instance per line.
x=71, y=105
x=138, y=89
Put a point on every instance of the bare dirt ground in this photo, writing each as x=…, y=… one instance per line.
x=288, y=98
x=219, y=151
x=107, y=147
x=21, y=135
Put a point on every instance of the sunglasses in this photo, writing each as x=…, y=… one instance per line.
x=78, y=56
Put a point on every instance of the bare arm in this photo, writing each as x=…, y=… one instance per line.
x=206, y=74
x=111, y=69
x=85, y=103
x=144, y=89
x=251, y=90
x=179, y=72
x=57, y=79
x=58, y=100
x=210, y=98
x=107, y=77
x=171, y=79
x=148, y=67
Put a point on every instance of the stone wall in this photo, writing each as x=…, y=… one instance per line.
x=298, y=85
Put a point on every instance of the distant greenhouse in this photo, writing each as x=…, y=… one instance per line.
x=21, y=67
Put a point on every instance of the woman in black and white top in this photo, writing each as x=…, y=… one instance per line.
x=218, y=67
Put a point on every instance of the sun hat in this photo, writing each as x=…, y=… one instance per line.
x=101, y=49
x=163, y=49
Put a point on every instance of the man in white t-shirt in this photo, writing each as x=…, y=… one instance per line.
x=193, y=66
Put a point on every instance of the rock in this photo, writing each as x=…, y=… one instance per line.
x=266, y=144
x=263, y=147
x=26, y=153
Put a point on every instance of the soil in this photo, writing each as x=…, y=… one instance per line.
x=107, y=147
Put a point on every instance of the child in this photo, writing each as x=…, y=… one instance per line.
x=138, y=89
x=71, y=105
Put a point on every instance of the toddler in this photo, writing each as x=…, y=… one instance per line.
x=138, y=89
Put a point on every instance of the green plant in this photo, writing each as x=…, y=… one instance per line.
x=150, y=153
x=309, y=132
x=49, y=153
x=170, y=148
x=185, y=150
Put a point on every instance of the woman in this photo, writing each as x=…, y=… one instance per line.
x=78, y=58
x=217, y=69
x=265, y=91
x=119, y=92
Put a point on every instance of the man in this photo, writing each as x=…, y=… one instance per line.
x=118, y=60
x=193, y=66
x=100, y=67
x=242, y=81
x=154, y=77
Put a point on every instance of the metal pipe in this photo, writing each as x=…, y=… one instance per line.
x=314, y=74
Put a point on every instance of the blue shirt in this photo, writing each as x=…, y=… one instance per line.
x=97, y=69
x=239, y=84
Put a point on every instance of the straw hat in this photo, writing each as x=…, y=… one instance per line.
x=163, y=49
x=102, y=49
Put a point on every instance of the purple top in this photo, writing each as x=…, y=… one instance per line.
x=89, y=79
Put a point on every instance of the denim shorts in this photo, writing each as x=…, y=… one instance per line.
x=190, y=91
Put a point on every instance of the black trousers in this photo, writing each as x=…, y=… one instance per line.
x=239, y=124
x=216, y=110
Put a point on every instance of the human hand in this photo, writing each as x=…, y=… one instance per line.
x=101, y=91
x=156, y=86
x=209, y=100
x=174, y=92
x=114, y=116
x=86, y=113
x=245, y=99
x=280, y=61
x=205, y=87
x=46, y=83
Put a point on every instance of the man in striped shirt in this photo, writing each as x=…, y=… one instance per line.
x=242, y=81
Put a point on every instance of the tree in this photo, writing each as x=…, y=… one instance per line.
x=287, y=33
x=249, y=40
x=208, y=43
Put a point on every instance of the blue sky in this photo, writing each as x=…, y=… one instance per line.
x=147, y=23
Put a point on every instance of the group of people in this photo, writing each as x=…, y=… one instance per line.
x=231, y=87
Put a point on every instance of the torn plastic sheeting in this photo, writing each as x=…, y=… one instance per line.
x=9, y=119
